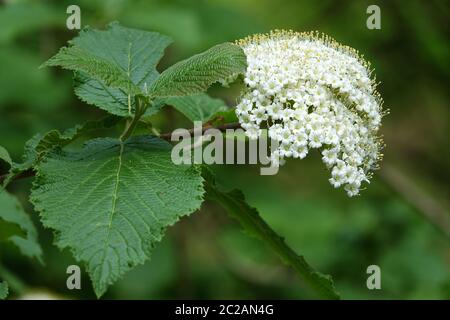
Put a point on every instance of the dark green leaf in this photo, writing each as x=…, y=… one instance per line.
x=112, y=201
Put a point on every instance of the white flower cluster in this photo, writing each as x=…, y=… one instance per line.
x=310, y=92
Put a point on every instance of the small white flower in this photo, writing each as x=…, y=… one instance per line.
x=301, y=138
x=274, y=110
x=286, y=114
x=285, y=149
x=329, y=156
x=352, y=189
x=299, y=151
x=253, y=132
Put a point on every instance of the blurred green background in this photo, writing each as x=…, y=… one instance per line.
x=401, y=222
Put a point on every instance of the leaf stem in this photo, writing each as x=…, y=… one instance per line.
x=141, y=106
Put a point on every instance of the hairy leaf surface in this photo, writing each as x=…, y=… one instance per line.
x=112, y=201
x=197, y=73
x=82, y=60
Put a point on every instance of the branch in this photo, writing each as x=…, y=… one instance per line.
x=234, y=125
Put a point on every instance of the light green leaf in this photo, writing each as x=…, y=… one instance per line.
x=112, y=201
x=196, y=74
x=236, y=206
x=4, y=290
x=198, y=107
x=135, y=52
x=12, y=211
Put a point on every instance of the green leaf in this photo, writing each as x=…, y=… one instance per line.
x=4, y=290
x=112, y=201
x=12, y=211
x=198, y=107
x=196, y=74
x=134, y=52
x=40, y=144
x=249, y=218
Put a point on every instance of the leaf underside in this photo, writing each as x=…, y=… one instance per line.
x=112, y=201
